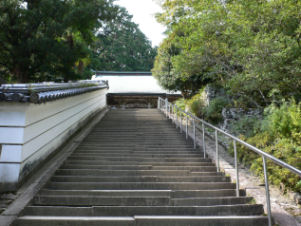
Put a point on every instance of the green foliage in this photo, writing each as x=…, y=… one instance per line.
x=279, y=136
x=213, y=112
x=181, y=103
x=246, y=125
x=251, y=49
x=46, y=39
x=284, y=120
x=121, y=46
x=196, y=104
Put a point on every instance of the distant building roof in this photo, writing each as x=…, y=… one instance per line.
x=131, y=82
x=122, y=73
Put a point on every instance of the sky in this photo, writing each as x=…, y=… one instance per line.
x=143, y=12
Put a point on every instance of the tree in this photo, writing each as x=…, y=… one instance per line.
x=249, y=48
x=46, y=39
x=121, y=46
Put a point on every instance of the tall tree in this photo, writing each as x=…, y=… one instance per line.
x=250, y=48
x=120, y=45
x=44, y=39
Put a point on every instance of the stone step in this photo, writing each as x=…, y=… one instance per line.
x=73, y=221
x=140, y=185
x=137, y=155
x=122, y=158
x=210, y=201
x=135, y=148
x=100, y=200
x=111, y=193
x=158, y=163
x=140, y=167
x=142, y=221
x=139, y=179
x=153, y=193
x=222, y=210
x=95, y=172
x=134, y=152
x=200, y=220
x=84, y=200
x=139, y=147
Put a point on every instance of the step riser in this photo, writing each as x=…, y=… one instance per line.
x=139, y=186
x=118, y=159
x=99, y=162
x=238, y=210
x=82, y=172
x=149, y=155
x=96, y=201
x=142, y=167
x=134, y=201
x=150, y=193
x=131, y=179
x=146, y=222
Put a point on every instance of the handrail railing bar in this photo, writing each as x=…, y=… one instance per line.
x=186, y=127
x=181, y=125
x=236, y=168
x=258, y=151
x=203, y=140
x=268, y=200
x=194, y=134
x=216, y=152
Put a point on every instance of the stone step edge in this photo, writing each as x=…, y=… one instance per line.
x=78, y=218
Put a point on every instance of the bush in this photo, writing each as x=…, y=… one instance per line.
x=246, y=126
x=279, y=136
x=213, y=112
x=181, y=103
x=196, y=105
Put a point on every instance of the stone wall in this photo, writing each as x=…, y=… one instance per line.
x=137, y=100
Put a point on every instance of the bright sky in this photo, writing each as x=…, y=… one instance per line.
x=144, y=14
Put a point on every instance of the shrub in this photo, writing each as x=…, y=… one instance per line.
x=246, y=126
x=180, y=103
x=196, y=104
x=279, y=136
x=213, y=112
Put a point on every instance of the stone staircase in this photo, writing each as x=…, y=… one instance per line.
x=135, y=168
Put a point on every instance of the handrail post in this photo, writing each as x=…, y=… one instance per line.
x=236, y=168
x=268, y=200
x=216, y=150
x=177, y=125
x=186, y=127
x=172, y=113
x=181, y=126
x=194, y=135
x=204, y=145
x=166, y=107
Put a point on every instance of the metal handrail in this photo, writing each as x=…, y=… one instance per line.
x=169, y=110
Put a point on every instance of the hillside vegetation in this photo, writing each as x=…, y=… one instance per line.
x=249, y=52
x=54, y=40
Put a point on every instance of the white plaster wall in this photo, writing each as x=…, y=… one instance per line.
x=133, y=84
x=29, y=133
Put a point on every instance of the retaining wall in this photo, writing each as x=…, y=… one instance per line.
x=30, y=132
